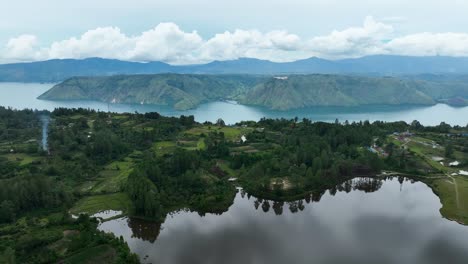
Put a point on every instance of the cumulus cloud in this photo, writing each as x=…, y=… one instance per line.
x=248, y=43
x=354, y=41
x=21, y=48
x=165, y=42
x=430, y=44
x=100, y=42
x=169, y=43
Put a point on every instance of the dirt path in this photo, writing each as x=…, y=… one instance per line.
x=455, y=185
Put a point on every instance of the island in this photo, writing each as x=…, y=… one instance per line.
x=279, y=92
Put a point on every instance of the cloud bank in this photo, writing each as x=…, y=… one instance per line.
x=167, y=42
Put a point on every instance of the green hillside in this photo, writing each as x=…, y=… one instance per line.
x=331, y=90
x=185, y=91
x=177, y=90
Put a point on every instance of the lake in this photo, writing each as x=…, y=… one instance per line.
x=364, y=220
x=21, y=95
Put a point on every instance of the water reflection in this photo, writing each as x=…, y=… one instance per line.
x=360, y=221
x=144, y=229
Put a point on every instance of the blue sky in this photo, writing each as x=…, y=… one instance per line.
x=30, y=29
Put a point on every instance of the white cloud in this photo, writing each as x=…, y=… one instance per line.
x=169, y=43
x=430, y=44
x=107, y=42
x=166, y=42
x=21, y=48
x=352, y=42
x=248, y=43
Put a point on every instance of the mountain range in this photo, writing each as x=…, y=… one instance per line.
x=379, y=65
x=184, y=91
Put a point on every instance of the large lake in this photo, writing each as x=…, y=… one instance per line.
x=362, y=221
x=20, y=95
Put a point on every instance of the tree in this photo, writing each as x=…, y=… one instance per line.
x=220, y=122
x=8, y=256
x=449, y=150
x=416, y=125
x=316, y=165
x=7, y=211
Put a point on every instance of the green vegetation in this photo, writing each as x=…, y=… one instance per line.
x=453, y=194
x=85, y=171
x=230, y=133
x=184, y=91
x=147, y=166
x=98, y=203
x=429, y=154
x=180, y=91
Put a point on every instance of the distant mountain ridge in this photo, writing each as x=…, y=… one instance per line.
x=379, y=65
x=184, y=91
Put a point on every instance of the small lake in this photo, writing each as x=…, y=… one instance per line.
x=21, y=95
x=364, y=220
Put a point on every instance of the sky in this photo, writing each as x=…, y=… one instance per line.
x=187, y=31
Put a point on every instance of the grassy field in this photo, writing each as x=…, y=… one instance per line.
x=201, y=144
x=454, y=202
x=452, y=190
x=22, y=158
x=113, y=177
x=97, y=203
x=98, y=254
x=230, y=133
x=164, y=147
x=224, y=165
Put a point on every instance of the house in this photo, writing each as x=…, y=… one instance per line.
x=243, y=139
x=371, y=149
x=281, y=77
x=406, y=134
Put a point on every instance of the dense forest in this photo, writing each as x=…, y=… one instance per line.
x=148, y=165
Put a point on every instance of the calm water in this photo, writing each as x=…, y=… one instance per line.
x=19, y=95
x=362, y=221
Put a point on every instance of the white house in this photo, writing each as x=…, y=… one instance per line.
x=243, y=139
x=281, y=77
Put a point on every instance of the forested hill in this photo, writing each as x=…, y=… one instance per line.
x=299, y=91
x=184, y=91
x=59, y=70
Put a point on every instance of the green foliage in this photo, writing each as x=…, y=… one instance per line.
x=38, y=189
x=177, y=90
x=144, y=194
x=97, y=203
x=449, y=151
x=7, y=211
x=184, y=91
x=333, y=90
x=149, y=165
x=160, y=185
x=8, y=256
